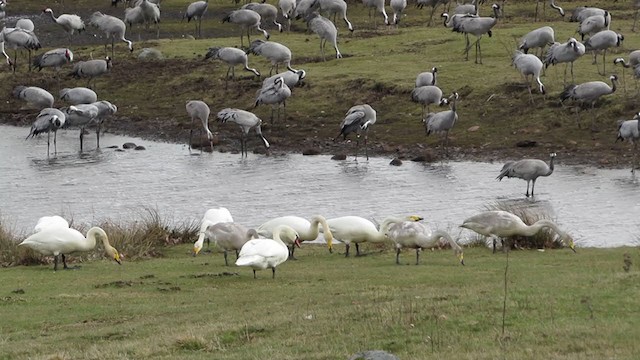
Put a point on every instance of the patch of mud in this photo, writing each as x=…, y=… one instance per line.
x=117, y=284
x=208, y=275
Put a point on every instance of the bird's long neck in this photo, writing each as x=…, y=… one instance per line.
x=551, y=165
x=443, y=234
x=554, y=6
x=614, y=85
x=446, y=19
x=433, y=77
x=315, y=229
x=453, y=104
x=91, y=238
x=53, y=16
x=540, y=224
x=384, y=226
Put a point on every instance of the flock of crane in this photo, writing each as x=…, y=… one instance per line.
x=593, y=22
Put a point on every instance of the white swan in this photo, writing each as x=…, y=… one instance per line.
x=354, y=229
x=415, y=235
x=49, y=221
x=230, y=236
x=260, y=254
x=499, y=223
x=211, y=217
x=60, y=240
x=307, y=230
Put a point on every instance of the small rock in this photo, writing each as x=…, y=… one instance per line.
x=339, y=157
x=119, y=150
x=139, y=147
x=427, y=156
x=128, y=145
x=474, y=128
x=311, y=152
x=396, y=162
x=527, y=143
x=18, y=291
x=150, y=54
x=112, y=147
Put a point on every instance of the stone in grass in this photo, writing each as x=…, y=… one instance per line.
x=527, y=143
x=339, y=157
x=396, y=162
x=129, y=145
x=311, y=151
x=139, y=147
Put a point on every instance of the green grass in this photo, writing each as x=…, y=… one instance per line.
x=379, y=68
x=560, y=305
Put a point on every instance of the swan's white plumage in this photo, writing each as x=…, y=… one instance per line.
x=307, y=230
x=49, y=221
x=260, y=254
x=211, y=217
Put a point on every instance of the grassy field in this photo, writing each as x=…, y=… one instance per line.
x=559, y=305
x=379, y=68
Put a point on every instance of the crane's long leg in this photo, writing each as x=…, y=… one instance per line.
x=357, y=145
x=113, y=40
x=366, y=146
x=81, y=137
x=191, y=134
x=398, y=256
x=226, y=262
x=48, y=142
x=55, y=143
x=527, y=194
x=533, y=186
x=322, y=50
x=604, y=62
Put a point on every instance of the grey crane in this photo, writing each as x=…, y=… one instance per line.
x=443, y=121
x=589, y=92
x=398, y=7
x=335, y=8
x=594, y=24
x=53, y=58
x=246, y=121
x=427, y=78
x=16, y=38
x=634, y=62
x=91, y=69
x=430, y=3
x=196, y=11
x=378, y=5
x=603, y=40
x=151, y=14
x=70, y=23
x=35, y=97
x=325, y=30
x=468, y=9
x=25, y=24
x=292, y=79
x=528, y=64
x=358, y=119
x=287, y=7
x=105, y=109
x=232, y=57
x=304, y=7
x=527, y=169
x=247, y=19
x=538, y=38
x=230, y=236
x=113, y=29
x=134, y=16
x=199, y=110
x=78, y=95
x=3, y=7
x=567, y=52
x=48, y=120
x=556, y=7
x=582, y=12
x=426, y=96
x=268, y=12
x=81, y=116
x=454, y=21
x=373, y=355
x=275, y=52
x=477, y=26
x=636, y=5
x=275, y=93
x=630, y=130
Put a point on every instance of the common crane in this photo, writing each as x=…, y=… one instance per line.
x=268, y=12
x=594, y=24
x=634, y=63
x=426, y=96
x=567, y=52
x=379, y=6
x=443, y=121
x=477, y=26
x=247, y=20
x=275, y=52
x=603, y=40
x=275, y=93
x=630, y=130
x=199, y=110
x=35, y=97
x=53, y=58
x=70, y=23
x=48, y=120
x=538, y=38
x=325, y=30
x=529, y=64
x=427, y=78
x=91, y=69
x=246, y=121
x=196, y=11
x=112, y=27
x=358, y=119
x=78, y=95
x=589, y=93
x=81, y=116
x=232, y=57
x=527, y=169
x=335, y=8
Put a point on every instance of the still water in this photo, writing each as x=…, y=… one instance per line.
x=600, y=208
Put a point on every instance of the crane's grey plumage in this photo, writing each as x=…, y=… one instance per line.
x=430, y=3
x=398, y=7
x=427, y=78
x=527, y=169
x=53, y=58
x=196, y=11
x=580, y=13
x=416, y=235
x=3, y=7
x=529, y=64
x=48, y=120
x=567, y=52
x=287, y=7
x=594, y=24
x=378, y=5
x=636, y=5
x=91, y=69
x=500, y=224
x=326, y=30
x=230, y=236
x=81, y=116
x=35, y=97
x=426, y=96
x=373, y=355
x=304, y=7
x=268, y=12
x=603, y=40
x=538, y=38
x=25, y=24
x=247, y=19
x=16, y=38
x=634, y=63
x=275, y=52
x=630, y=130
x=70, y=23
x=589, y=92
x=455, y=21
x=335, y=8
x=292, y=79
x=246, y=121
x=112, y=27
x=358, y=119
x=78, y=95
x=275, y=93
x=199, y=110
x=468, y=9
x=105, y=109
x=232, y=57
x=443, y=121
x=477, y=26
x=151, y=14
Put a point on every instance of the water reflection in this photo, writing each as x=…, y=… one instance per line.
x=598, y=207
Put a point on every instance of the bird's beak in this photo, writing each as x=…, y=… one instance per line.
x=117, y=259
x=416, y=218
x=297, y=242
x=572, y=247
x=462, y=259
x=196, y=251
